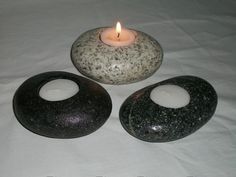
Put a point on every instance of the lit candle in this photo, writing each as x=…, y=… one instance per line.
x=58, y=89
x=170, y=96
x=118, y=36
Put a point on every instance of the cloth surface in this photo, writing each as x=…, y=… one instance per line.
x=198, y=38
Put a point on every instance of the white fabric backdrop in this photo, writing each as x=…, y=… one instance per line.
x=198, y=38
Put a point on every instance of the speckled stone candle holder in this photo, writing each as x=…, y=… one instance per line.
x=116, y=65
x=148, y=121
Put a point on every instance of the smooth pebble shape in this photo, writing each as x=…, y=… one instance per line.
x=76, y=116
x=148, y=121
x=116, y=65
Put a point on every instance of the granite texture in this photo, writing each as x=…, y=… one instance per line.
x=148, y=121
x=116, y=65
x=76, y=116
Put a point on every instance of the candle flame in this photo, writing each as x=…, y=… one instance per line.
x=118, y=29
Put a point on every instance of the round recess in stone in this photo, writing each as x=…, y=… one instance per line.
x=142, y=118
x=116, y=65
x=58, y=89
x=170, y=96
x=83, y=113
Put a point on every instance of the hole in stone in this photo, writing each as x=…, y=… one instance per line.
x=170, y=96
x=58, y=89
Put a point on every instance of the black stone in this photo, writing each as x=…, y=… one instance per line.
x=148, y=121
x=76, y=116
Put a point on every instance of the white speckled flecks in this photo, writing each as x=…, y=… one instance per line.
x=116, y=65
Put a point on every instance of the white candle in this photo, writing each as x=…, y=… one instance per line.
x=170, y=96
x=58, y=89
x=117, y=37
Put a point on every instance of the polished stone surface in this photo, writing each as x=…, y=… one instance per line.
x=147, y=121
x=116, y=65
x=76, y=116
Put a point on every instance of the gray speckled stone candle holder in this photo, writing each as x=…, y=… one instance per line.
x=116, y=65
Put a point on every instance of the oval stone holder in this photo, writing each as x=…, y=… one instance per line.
x=76, y=116
x=148, y=121
x=116, y=65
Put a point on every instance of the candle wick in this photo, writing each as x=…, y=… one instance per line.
x=118, y=35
